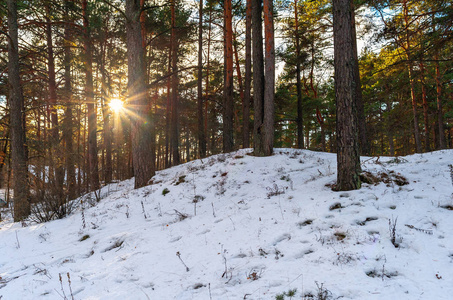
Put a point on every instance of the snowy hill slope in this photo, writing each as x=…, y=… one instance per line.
x=240, y=227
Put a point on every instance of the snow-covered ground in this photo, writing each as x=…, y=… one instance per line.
x=236, y=226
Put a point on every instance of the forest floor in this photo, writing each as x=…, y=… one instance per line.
x=234, y=226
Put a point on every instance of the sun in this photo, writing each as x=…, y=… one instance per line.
x=116, y=105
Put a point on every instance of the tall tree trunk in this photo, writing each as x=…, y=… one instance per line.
x=228, y=141
x=440, y=115
x=18, y=152
x=258, y=77
x=141, y=136
x=206, y=100
x=200, y=129
x=168, y=112
x=361, y=122
x=108, y=172
x=93, y=167
x=407, y=49
x=300, y=120
x=174, y=131
x=55, y=139
x=67, y=121
x=248, y=76
x=269, y=84
x=348, y=157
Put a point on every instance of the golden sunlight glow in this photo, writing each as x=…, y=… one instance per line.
x=116, y=105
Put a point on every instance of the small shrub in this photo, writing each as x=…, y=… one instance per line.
x=85, y=237
x=274, y=191
x=165, y=191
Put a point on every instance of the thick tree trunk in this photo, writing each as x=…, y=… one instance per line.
x=248, y=76
x=93, y=167
x=18, y=152
x=228, y=141
x=300, y=120
x=258, y=77
x=174, y=130
x=138, y=100
x=269, y=85
x=348, y=157
x=200, y=121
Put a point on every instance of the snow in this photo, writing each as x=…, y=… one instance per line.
x=234, y=226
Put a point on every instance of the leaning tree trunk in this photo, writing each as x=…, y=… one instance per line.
x=18, y=152
x=138, y=100
x=348, y=157
x=93, y=167
x=228, y=142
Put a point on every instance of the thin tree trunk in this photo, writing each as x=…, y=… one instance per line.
x=93, y=167
x=55, y=140
x=348, y=157
x=425, y=107
x=300, y=120
x=168, y=113
x=200, y=129
x=206, y=100
x=228, y=141
x=174, y=132
x=363, y=139
x=18, y=152
x=67, y=121
x=269, y=85
x=141, y=136
x=248, y=76
x=407, y=48
x=440, y=116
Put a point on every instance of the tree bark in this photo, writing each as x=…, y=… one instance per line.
x=425, y=107
x=138, y=100
x=407, y=49
x=174, y=130
x=348, y=157
x=258, y=77
x=300, y=120
x=93, y=167
x=228, y=141
x=52, y=103
x=67, y=121
x=440, y=115
x=200, y=129
x=269, y=85
x=18, y=152
x=248, y=76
